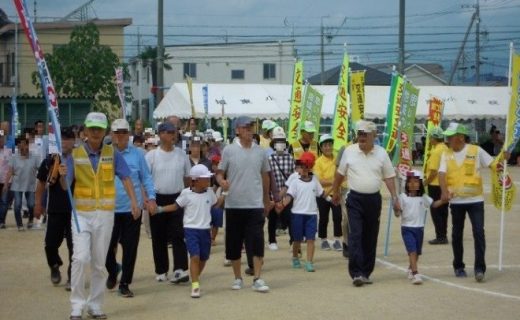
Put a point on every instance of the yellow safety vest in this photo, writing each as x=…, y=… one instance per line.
x=297, y=149
x=464, y=180
x=94, y=190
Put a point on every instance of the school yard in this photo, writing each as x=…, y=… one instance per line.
x=26, y=291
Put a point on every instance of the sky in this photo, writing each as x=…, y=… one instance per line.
x=434, y=29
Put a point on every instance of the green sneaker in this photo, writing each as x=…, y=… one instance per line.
x=296, y=263
x=309, y=267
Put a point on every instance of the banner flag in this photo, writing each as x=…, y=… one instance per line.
x=46, y=84
x=121, y=91
x=499, y=181
x=189, y=83
x=406, y=126
x=11, y=136
x=357, y=96
x=436, y=108
x=206, y=106
x=341, y=110
x=393, y=112
x=296, y=100
x=311, y=109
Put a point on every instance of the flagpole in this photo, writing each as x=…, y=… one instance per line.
x=504, y=173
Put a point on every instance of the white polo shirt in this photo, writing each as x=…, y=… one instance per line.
x=168, y=169
x=365, y=172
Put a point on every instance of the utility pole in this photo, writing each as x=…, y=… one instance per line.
x=461, y=50
x=401, y=35
x=160, y=51
x=322, y=53
x=477, y=44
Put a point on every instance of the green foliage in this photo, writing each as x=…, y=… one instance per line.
x=149, y=56
x=84, y=68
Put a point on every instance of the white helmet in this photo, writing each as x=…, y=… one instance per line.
x=278, y=134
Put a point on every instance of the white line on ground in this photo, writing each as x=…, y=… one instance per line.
x=492, y=266
x=451, y=284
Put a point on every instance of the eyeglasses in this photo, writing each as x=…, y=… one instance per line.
x=362, y=134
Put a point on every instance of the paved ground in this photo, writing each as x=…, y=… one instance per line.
x=26, y=292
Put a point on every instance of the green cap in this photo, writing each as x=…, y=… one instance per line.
x=436, y=132
x=96, y=119
x=455, y=128
x=308, y=126
x=326, y=137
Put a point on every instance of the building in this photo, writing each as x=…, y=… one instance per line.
x=373, y=77
x=261, y=62
x=420, y=74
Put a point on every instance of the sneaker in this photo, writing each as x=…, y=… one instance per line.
x=410, y=274
x=237, y=284
x=21, y=228
x=96, y=314
x=273, y=246
x=438, y=241
x=366, y=280
x=417, y=279
x=55, y=275
x=345, y=251
x=67, y=285
x=37, y=226
x=227, y=263
x=162, y=277
x=2, y=225
x=358, y=281
x=112, y=278
x=29, y=225
x=75, y=315
x=337, y=246
x=460, y=273
x=180, y=276
x=479, y=276
x=309, y=267
x=195, y=292
x=260, y=286
x=296, y=263
x=325, y=245
x=125, y=292
x=249, y=271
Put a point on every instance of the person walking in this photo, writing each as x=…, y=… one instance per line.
x=170, y=168
x=461, y=183
x=365, y=165
x=94, y=170
x=244, y=174
x=127, y=227
x=306, y=141
x=5, y=156
x=58, y=205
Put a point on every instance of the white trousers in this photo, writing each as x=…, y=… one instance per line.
x=90, y=247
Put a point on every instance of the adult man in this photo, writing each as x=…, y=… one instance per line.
x=365, y=165
x=22, y=169
x=244, y=174
x=95, y=167
x=5, y=156
x=461, y=184
x=126, y=226
x=170, y=168
x=439, y=214
x=58, y=205
x=306, y=141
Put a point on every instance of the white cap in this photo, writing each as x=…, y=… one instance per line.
x=200, y=171
x=415, y=174
x=120, y=124
x=366, y=126
x=217, y=136
x=278, y=134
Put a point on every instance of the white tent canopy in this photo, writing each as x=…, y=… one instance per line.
x=272, y=101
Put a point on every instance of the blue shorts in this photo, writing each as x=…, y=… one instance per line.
x=413, y=239
x=304, y=225
x=198, y=242
x=217, y=217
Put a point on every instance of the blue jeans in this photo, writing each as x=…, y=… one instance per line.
x=29, y=197
x=476, y=216
x=5, y=199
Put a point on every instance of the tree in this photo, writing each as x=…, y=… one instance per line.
x=149, y=56
x=84, y=68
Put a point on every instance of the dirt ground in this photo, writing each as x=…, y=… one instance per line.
x=27, y=293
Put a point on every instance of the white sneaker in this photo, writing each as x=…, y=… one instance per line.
x=237, y=284
x=417, y=279
x=273, y=246
x=227, y=263
x=260, y=286
x=162, y=277
x=179, y=276
x=410, y=274
x=37, y=226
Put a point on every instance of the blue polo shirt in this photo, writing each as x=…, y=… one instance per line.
x=140, y=176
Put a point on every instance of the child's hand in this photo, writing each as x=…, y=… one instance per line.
x=397, y=213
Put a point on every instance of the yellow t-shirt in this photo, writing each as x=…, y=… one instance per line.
x=434, y=161
x=265, y=142
x=325, y=169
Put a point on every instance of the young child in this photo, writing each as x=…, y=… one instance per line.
x=304, y=213
x=217, y=212
x=197, y=202
x=415, y=204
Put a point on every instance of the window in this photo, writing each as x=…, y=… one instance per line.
x=269, y=71
x=190, y=69
x=237, y=74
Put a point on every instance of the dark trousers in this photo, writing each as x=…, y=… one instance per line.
x=58, y=228
x=284, y=219
x=6, y=198
x=167, y=226
x=440, y=214
x=363, y=211
x=476, y=216
x=126, y=231
x=324, y=207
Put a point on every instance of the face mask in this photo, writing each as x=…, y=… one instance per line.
x=279, y=146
